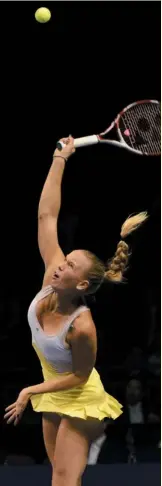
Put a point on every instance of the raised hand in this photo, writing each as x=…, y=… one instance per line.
x=66, y=151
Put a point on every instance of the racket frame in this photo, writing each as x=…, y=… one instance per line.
x=115, y=123
x=94, y=139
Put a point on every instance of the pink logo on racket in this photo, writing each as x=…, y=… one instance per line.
x=127, y=133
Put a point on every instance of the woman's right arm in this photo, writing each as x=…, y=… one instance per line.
x=49, y=207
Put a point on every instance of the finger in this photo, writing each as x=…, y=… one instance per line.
x=70, y=139
x=64, y=140
x=9, y=413
x=17, y=420
x=67, y=140
x=10, y=407
x=11, y=419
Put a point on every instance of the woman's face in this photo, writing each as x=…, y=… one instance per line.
x=71, y=274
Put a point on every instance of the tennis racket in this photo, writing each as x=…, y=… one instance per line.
x=138, y=127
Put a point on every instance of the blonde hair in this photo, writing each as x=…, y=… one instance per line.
x=112, y=271
x=115, y=268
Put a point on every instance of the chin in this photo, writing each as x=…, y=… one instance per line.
x=57, y=288
x=53, y=285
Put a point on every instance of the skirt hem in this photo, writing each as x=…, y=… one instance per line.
x=84, y=412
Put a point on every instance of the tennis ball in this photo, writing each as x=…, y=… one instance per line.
x=42, y=15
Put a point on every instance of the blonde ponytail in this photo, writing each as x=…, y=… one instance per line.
x=132, y=223
x=96, y=273
x=118, y=264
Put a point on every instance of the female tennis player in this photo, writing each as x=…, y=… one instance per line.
x=71, y=398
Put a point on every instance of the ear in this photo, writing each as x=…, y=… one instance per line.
x=83, y=285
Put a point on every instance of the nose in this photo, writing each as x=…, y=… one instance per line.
x=61, y=267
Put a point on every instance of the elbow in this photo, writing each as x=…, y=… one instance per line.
x=44, y=208
x=83, y=378
x=44, y=213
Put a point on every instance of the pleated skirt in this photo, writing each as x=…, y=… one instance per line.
x=84, y=401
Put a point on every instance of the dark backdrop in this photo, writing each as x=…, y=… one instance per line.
x=73, y=75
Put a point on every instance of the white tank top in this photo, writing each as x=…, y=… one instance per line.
x=52, y=347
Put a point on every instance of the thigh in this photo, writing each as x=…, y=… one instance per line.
x=50, y=425
x=72, y=445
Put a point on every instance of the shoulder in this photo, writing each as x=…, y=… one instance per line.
x=85, y=319
x=83, y=327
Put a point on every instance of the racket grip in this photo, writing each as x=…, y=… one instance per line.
x=80, y=142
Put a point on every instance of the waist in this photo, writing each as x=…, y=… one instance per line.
x=50, y=372
x=59, y=361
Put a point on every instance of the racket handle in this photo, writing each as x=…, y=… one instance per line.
x=80, y=142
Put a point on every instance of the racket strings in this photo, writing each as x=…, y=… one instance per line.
x=143, y=122
x=138, y=136
x=147, y=115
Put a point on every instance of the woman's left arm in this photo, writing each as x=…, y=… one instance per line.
x=83, y=344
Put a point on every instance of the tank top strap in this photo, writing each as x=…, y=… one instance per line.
x=73, y=316
x=44, y=292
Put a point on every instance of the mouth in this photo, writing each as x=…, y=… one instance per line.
x=55, y=276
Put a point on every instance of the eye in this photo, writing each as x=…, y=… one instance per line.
x=71, y=264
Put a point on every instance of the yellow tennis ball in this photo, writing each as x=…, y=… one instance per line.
x=43, y=15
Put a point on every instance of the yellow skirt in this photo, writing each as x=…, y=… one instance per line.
x=87, y=400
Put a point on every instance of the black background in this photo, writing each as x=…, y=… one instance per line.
x=73, y=75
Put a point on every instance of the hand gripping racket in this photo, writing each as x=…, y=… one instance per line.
x=138, y=127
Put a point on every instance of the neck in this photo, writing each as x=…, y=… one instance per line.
x=67, y=304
